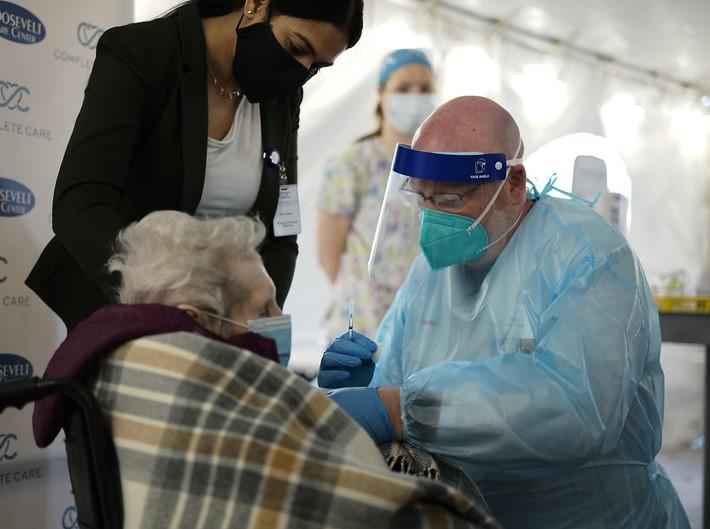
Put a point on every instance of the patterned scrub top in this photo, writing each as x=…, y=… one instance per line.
x=354, y=187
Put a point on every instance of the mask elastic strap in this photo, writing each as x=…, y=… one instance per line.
x=222, y=318
x=506, y=232
x=488, y=207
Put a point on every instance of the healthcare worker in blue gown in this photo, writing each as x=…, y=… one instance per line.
x=523, y=346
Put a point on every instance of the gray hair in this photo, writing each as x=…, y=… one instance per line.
x=170, y=257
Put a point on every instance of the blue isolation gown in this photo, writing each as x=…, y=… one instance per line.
x=540, y=378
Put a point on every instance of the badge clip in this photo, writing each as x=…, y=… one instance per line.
x=273, y=159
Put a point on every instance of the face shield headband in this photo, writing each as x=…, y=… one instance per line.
x=452, y=167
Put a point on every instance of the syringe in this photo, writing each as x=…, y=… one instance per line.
x=350, y=319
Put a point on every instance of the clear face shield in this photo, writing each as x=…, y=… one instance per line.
x=449, y=205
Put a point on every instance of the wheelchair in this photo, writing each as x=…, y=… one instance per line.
x=91, y=454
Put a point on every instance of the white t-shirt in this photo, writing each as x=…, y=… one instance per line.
x=233, y=167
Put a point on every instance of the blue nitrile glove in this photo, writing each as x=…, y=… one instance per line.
x=366, y=408
x=347, y=363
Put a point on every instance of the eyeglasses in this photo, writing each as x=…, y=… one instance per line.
x=442, y=200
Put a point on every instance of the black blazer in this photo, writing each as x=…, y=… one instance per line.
x=139, y=145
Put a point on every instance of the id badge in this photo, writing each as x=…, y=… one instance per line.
x=287, y=219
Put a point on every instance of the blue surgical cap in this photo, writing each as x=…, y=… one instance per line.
x=399, y=58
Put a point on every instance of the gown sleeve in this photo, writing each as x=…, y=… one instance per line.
x=388, y=369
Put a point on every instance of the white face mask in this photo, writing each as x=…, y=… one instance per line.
x=407, y=111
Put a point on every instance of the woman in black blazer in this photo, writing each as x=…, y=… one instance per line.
x=160, y=95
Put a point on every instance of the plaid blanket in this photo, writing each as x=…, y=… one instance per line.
x=211, y=436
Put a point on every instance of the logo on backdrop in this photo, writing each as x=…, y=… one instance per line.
x=69, y=520
x=11, y=301
x=11, y=95
x=23, y=129
x=14, y=367
x=19, y=25
x=14, y=96
x=15, y=198
x=88, y=35
x=7, y=451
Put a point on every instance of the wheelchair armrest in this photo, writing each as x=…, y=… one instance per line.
x=19, y=392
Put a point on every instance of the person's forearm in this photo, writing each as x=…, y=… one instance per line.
x=390, y=400
x=332, y=233
x=330, y=264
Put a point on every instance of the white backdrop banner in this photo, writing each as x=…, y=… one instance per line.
x=46, y=52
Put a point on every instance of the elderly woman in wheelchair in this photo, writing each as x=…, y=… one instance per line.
x=209, y=428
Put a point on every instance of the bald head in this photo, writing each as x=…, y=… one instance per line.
x=469, y=124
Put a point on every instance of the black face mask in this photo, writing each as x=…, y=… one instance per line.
x=262, y=68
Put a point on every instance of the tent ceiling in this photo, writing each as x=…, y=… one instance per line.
x=667, y=36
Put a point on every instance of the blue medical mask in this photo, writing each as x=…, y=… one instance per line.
x=447, y=239
x=276, y=328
